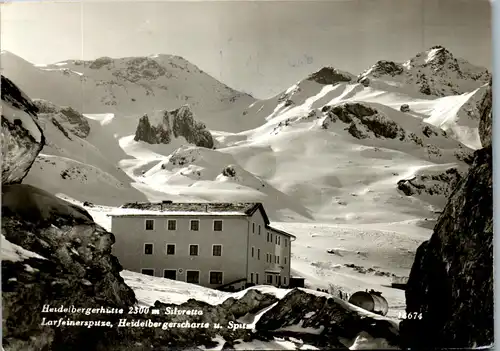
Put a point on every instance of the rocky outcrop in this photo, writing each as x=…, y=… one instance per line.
x=76, y=269
x=330, y=75
x=22, y=137
x=389, y=68
x=322, y=321
x=365, y=81
x=229, y=171
x=153, y=134
x=140, y=68
x=65, y=119
x=365, y=121
x=100, y=62
x=174, y=124
x=214, y=320
x=451, y=280
x=184, y=124
x=434, y=183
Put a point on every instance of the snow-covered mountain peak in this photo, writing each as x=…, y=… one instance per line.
x=437, y=56
x=132, y=86
x=434, y=72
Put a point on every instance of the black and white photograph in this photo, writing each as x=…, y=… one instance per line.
x=246, y=175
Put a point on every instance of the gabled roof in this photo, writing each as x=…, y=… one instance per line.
x=190, y=208
x=168, y=208
x=280, y=231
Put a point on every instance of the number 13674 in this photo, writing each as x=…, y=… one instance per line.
x=409, y=315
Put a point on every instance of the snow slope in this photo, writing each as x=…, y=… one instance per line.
x=78, y=167
x=301, y=160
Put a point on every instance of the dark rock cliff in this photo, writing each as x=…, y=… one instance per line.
x=174, y=124
x=451, y=281
x=78, y=270
x=22, y=137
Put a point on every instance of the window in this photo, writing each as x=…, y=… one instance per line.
x=148, y=271
x=148, y=249
x=279, y=240
x=216, y=277
x=170, y=249
x=193, y=277
x=259, y=229
x=253, y=227
x=170, y=274
x=278, y=258
x=285, y=259
x=286, y=242
x=268, y=259
x=271, y=240
x=193, y=250
x=171, y=224
x=217, y=250
x=253, y=249
x=150, y=224
x=258, y=254
x=267, y=236
x=275, y=261
x=269, y=278
x=256, y=278
x=279, y=279
x=251, y=277
x=284, y=280
x=194, y=225
x=218, y=225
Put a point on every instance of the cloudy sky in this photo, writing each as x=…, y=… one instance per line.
x=261, y=47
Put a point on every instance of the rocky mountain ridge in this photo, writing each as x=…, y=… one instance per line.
x=434, y=72
x=129, y=85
